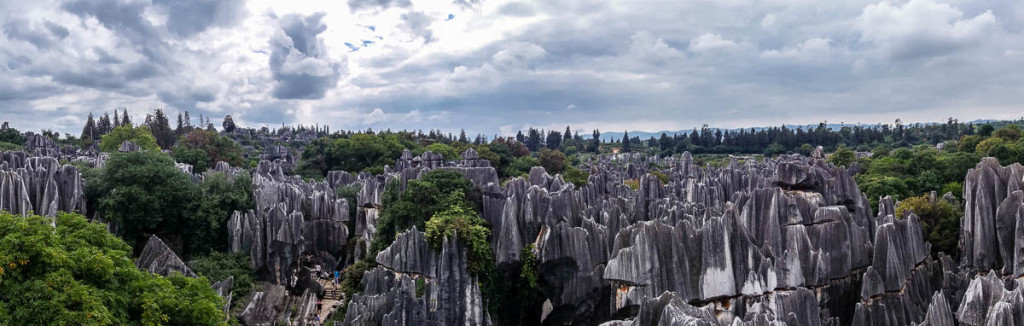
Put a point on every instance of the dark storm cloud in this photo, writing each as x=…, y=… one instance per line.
x=299, y=61
x=355, y=5
x=189, y=17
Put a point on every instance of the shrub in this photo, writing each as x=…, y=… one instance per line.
x=218, y=266
x=576, y=176
x=459, y=219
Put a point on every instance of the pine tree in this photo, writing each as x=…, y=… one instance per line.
x=567, y=135
x=625, y=142
x=104, y=126
x=229, y=124
x=462, y=136
x=125, y=119
x=90, y=131
x=117, y=119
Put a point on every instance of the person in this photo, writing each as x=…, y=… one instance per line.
x=319, y=305
x=337, y=276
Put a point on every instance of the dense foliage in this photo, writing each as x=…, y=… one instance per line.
x=138, y=135
x=459, y=220
x=11, y=136
x=143, y=193
x=203, y=149
x=940, y=220
x=421, y=199
x=79, y=274
x=218, y=266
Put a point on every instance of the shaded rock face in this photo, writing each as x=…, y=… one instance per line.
x=292, y=218
x=448, y=294
x=40, y=185
x=273, y=306
x=159, y=259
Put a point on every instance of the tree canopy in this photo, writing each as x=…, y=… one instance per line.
x=138, y=135
x=77, y=273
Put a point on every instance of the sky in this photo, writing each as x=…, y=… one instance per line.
x=494, y=67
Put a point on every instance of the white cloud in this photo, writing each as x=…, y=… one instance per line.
x=922, y=28
x=710, y=42
x=813, y=50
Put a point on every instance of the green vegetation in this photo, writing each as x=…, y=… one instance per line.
x=138, y=135
x=842, y=157
x=5, y=146
x=553, y=161
x=421, y=286
x=940, y=221
x=218, y=266
x=207, y=228
x=421, y=199
x=143, y=193
x=459, y=219
x=203, y=149
x=79, y=274
x=576, y=176
x=12, y=136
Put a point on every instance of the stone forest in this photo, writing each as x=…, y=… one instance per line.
x=141, y=223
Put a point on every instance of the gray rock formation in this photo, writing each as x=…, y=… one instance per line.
x=159, y=259
x=448, y=294
x=40, y=185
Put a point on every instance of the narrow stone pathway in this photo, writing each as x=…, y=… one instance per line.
x=331, y=298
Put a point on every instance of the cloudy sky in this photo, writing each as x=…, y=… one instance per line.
x=497, y=66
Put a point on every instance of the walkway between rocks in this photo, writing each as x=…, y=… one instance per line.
x=332, y=298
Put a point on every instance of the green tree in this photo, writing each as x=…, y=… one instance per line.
x=220, y=195
x=11, y=135
x=877, y=186
x=212, y=146
x=144, y=193
x=138, y=135
x=842, y=157
x=1005, y=153
x=77, y=273
x=218, y=266
x=553, y=161
x=446, y=151
x=940, y=221
x=986, y=145
x=521, y=166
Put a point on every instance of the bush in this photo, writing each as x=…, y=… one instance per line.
x=12, y=136
x=576, y=176
x=5, y=146
x=77, y=273
x=218, y=266
x=421, y=199
x=458, y=218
